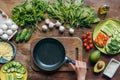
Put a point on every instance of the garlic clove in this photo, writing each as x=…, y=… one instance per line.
x=71, y=31
x=51, y=25
x=1, y=31
x=61, y=28
x=4, y=36
x=44, y=28
x=58, y=24
x=47, y=21
x=4, y=27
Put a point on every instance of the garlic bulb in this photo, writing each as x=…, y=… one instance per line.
x=61, y=28
x=71, y=30
x=4, y=36
x=4, y=27
x=44, y=28
x=9, y=32
x=57, y=24
x=47, y=21
x=1, y=31
x=14, y=27
x=51, y=25
x=9, y=22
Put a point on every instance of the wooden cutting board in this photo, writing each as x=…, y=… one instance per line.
x=73, y=47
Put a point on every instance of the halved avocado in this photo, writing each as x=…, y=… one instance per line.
x=99, y=66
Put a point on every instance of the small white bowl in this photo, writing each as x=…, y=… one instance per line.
x=111, y=68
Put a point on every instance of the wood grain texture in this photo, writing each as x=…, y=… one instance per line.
x=73, y=47
x=23, y=49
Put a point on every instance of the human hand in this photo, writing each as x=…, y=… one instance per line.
x=80, y=69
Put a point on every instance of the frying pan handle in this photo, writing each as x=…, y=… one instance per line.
x=68, y=60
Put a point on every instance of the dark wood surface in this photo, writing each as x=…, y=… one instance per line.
x=23, y=49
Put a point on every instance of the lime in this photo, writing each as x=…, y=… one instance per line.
x=94, y=56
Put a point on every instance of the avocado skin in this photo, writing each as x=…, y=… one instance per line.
x=96, y=70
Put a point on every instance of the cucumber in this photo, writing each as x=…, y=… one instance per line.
x=8, y=70
x=22, y=70
x=18, y=65
x=27, y=37
x=18, y=37
x=9, y=77
x=18, y=70
x=19, y=76
x=6, y=67
x=12, y=69
x=4, y=71
x=13, y=63
x=23, y=34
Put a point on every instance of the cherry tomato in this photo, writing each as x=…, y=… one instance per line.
x=84, y=36
x=85, y=44
x=89, y=37
x=87, y=48
x=91, y=45
x=87, y=33
x=85, y=40
x=90, y=41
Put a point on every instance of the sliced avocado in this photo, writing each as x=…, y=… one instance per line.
x=99, y=66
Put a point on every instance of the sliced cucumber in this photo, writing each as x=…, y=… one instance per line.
x=9, y=77
x=19, y=76
x=8, y=70
x=12, y=69
x=6, y=67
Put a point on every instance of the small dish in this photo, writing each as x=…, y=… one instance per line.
x=111, y=68
x=2, y=60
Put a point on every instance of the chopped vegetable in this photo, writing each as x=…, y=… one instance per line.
x=14, y=66
x=101, y=39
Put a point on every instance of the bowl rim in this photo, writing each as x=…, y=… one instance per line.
x=13, y=48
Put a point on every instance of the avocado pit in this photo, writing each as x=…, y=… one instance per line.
x=99, y=66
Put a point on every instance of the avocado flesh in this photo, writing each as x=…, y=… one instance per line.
x=96, y=70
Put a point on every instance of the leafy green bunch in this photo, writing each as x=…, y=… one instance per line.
x=30, y=13
x=73, y=13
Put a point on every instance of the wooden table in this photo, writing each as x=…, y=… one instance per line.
x=23, y=49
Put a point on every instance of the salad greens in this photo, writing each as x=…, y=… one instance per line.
x=73, y=13
x=30, y=13
x=113, y=45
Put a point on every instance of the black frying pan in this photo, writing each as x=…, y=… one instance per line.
x=49, y=54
